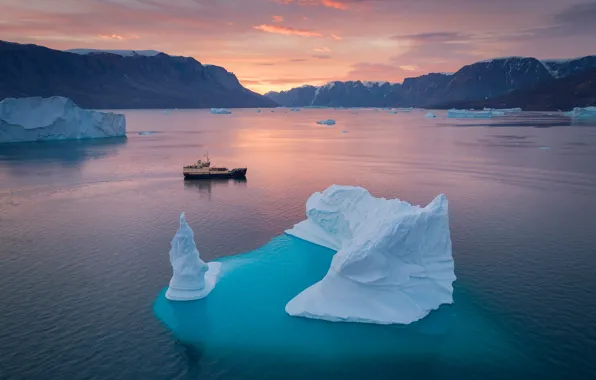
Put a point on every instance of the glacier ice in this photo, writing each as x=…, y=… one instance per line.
x=393, y=262
x=504, y=110
x=430, y=115
x=466, y=114
x=326, y=122
x=407, y=109
x=582, y=113
x=54, y=118
x=220, y=111
x=193, y=278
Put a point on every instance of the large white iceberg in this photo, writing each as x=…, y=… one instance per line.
x=193, y=278
x=466, y=114
x=220, y=111
x=54, y=118
x=393, y=262
x=582, y=113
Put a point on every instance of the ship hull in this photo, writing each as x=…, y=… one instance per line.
x=234, y=173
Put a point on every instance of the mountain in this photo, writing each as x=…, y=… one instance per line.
x=472, y=83
x=567, y=67
x=107, y=80
x=124, y=53
x=578, y=90
x=296, y=97
x=335, y=94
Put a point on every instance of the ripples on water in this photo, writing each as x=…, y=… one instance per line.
x=85, y=230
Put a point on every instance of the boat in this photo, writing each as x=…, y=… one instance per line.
x=203, y=170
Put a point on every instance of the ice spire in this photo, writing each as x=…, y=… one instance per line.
x=192, y=278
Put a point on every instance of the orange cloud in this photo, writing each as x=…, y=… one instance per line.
x=278, y=18
x=112, y=37
x=335, y=4
x=335, y=37
x=116, y=37
x=323, y=49
x=287, y=30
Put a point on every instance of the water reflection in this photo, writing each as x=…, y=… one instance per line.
x=67, y=153
x=206, y=186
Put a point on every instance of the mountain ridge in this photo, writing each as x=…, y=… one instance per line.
x=105, y=80
x=475, y=82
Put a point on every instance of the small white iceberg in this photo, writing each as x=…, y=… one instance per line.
x=465, y=114
x=146, y=133
x=258, y=110
x=430, y=115
x=326, y=122
x=220, y=111
x=579, y=113
x=193, y=279
x=344, y=131
x=295, y=109
x=393, y=262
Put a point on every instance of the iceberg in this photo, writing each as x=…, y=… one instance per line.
x=504, y=110
x=220, y=111
x=295, y=109
x=393, y=263
x=55, y=118
x=430, y=115
x=408, y=109
x=326, y=122
x=582, y=113
x=193, y=279
x=465, y=114
x=146, y=133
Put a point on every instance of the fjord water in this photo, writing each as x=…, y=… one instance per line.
x=85, y=230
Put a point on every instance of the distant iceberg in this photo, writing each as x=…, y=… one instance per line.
x=579, y=113
x=192, y=279
x=295, y=109
x=407, y=109
x=326, y=122
x=465, y=114
x=504, y=110
x=220, y=111
x=393, y=263
x=430, y=115
x=146, y=133
x=55, y=118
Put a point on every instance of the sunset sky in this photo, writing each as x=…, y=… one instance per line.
x=279, y=44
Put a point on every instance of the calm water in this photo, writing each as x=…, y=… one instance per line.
x=85, y=230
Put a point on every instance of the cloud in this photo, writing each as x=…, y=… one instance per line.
x=335, y=37
x=116, y=37
x=278, y=18
x=447, y=37
x=279, y=29
x=576, y=20
x=322, y=49
x=335, y=4
x=321, y=56
x=298, y=60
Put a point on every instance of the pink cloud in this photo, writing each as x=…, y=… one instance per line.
x=287, y=30
x=278, y=18
x=336, y=37
x=322, y=49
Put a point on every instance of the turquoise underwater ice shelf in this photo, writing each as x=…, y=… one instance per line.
x=245, y=313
